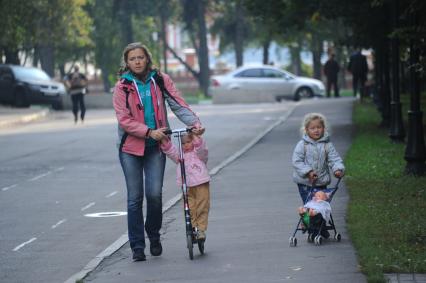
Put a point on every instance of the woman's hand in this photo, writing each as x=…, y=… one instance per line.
x=198, y=130
x=158, y=134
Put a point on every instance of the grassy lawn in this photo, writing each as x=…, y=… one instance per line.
x=387, y=209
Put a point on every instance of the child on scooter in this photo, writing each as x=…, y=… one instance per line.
x=314, y=156
x=195, y=154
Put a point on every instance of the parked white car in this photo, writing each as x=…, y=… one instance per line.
x=251, y=84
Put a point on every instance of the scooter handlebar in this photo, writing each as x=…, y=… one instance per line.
x=176, y=131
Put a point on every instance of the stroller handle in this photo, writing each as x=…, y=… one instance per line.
x=177, y=131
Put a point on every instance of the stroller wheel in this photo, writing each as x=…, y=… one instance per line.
x=310, y=238
x=338, y=237
x=293, y=241
x=190, y=247
x=318, y=240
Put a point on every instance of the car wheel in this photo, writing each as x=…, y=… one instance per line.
x=21, y=99
x=303, y=92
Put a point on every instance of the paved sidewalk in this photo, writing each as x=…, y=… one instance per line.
x=10, y=116
x=253, y=214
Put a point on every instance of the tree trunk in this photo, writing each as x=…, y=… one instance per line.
x=316, y=56
x=204, y=52
x=163, y=37
x=296, y=63
x=47, y=59
x=239, y=36
x=125, y=20
x=11, y=56
x=266, y=45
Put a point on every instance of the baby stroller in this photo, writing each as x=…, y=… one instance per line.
x=317, y=228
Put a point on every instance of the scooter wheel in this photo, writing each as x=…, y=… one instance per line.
x=190, y=247
x=310, y=238
x=201, y=246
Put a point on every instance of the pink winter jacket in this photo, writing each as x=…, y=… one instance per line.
x=132, y=130
x=195, y=162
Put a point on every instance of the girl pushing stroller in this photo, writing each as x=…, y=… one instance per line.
x=313, y=158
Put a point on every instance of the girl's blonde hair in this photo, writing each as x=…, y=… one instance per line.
x=133, y=46
x=313, y=116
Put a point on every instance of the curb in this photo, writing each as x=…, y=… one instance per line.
x=170, y=203
x=25, y=118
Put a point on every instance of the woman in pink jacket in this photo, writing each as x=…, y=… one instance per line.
x=139, y=102
x=195, y=154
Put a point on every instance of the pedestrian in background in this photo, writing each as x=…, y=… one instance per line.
x=77, y=85
x=314, y=156
x=139, y=102
x=331, y=69
x=359, y=68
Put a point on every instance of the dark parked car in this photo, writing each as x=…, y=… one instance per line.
x=23, y=86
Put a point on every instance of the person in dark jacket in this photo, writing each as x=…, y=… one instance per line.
x=331, y=69
x=359, y=68
x=77, y=85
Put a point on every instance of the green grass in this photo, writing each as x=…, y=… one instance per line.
x=346, y=92
x=195, y=98
x=387, y=209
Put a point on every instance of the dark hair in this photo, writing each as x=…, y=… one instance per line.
x=130, y=47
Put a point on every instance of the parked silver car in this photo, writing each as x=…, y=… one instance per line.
x=251, y=84
x=23, y=86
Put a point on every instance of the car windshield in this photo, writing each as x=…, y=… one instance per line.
x=23, y=73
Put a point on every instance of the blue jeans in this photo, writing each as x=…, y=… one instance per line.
x=136, y=168
x=306, y=192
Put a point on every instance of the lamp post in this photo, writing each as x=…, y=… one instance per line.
x=396, y=131
x=415, y=151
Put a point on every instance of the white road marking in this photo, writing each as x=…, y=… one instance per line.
x=59, y=169
x=111, y=194
x=23, y=244
x=40, y=176
x=107, y=214
x=10, y=187
x=88, y=206
x=59, y=223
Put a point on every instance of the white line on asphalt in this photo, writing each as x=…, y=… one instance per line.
x=9, y=187
x=40, y=176
x=59, y=169
x=59, y=223
x=23, y=244
x=111, y=194
x=88, y=206
x=124, y=238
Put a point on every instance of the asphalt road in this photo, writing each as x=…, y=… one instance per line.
x=54, y=173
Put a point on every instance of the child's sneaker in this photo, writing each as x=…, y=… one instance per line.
x=201, y=235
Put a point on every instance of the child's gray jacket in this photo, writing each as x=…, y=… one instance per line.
x=320, y=156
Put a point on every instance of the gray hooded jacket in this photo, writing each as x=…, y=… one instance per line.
x=320, y=156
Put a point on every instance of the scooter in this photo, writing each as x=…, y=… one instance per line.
x=191, y=233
